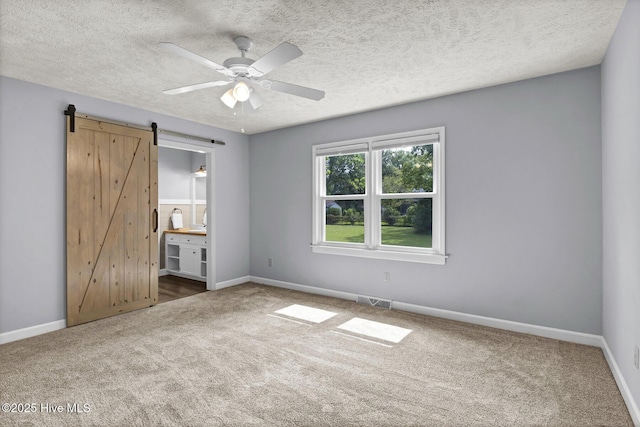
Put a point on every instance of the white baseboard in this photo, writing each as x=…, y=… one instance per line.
x=622, y=384
x=304, y=288
x=525, y=328
x=32, y=331
x=162, y=272
x=233, y=282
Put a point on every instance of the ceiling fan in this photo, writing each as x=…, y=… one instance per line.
x=245, y=73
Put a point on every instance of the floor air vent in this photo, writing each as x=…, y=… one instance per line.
x=374, y=302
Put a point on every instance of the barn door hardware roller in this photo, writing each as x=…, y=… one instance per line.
x=71, y=112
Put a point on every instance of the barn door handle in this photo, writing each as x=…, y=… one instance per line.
x=155, y=217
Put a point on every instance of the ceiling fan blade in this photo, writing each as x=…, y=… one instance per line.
x=197, y=58
x=191, y=88
x=305, y=92
x=255, y=99
x=278, y=56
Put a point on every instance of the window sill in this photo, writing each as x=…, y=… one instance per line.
x=424, y=258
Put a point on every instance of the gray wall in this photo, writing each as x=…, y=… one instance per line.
x=621, y=198
x=32, y=206
x=524, y=213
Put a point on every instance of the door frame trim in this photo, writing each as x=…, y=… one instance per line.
x=210, y=157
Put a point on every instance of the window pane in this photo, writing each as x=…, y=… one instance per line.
x=345, y=174
x=407, y=169
x=407, y=222
x=345, y=221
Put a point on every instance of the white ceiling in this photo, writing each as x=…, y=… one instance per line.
x=365, y=54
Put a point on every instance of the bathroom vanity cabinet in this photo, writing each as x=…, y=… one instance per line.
x=186, y=254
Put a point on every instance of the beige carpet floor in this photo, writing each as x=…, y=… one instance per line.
x=222, y=358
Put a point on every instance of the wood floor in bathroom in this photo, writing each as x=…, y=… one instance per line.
x=172, y=287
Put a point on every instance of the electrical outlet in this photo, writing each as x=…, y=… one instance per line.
x=387, y=276
x=270, y=262
x=636, y=357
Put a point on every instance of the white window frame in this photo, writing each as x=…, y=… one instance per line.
x=372, y=148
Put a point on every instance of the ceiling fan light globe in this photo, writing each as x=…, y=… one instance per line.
x=228, y=98
x=241, y=91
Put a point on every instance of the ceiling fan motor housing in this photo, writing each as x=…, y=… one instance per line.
x=238, y=65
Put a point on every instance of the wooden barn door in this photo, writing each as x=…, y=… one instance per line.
x=112, y=201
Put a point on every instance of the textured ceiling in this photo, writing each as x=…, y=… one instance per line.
x=365, y=54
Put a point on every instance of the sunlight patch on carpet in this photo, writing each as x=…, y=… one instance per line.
x=310, y=314
x=377, y=330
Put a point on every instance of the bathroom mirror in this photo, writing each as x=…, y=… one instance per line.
x=198, y=199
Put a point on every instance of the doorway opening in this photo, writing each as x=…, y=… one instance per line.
x=186, y=238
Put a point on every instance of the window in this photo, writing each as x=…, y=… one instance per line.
x=381, y=197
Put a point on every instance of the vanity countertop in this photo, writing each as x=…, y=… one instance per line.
x=188, y=231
